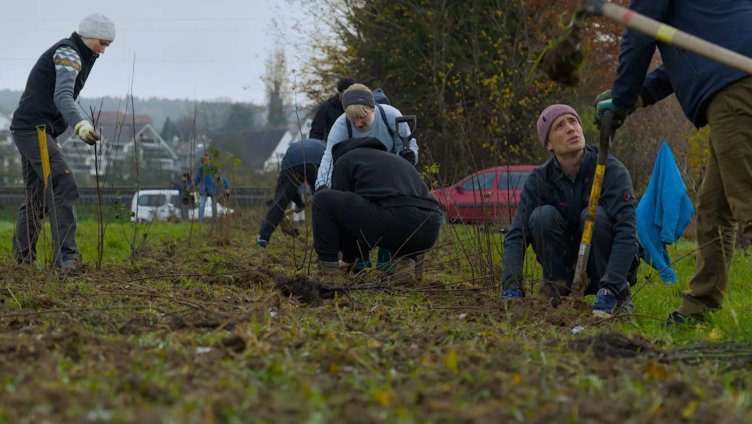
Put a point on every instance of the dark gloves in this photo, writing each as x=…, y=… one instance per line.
x=604, y=102
x=408, y=155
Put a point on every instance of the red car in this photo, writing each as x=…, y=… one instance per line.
x=490, y=195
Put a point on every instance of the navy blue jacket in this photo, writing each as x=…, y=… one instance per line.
x=547, y=185
x=306, y=151
x=693, y=78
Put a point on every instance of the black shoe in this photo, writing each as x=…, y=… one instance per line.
x=677, y=319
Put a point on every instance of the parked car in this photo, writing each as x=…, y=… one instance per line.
x=164, y=205
x=490, y=195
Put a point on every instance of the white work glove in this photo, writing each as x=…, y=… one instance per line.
x=86, y=132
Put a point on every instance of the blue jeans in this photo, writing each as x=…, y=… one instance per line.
x=202, y=207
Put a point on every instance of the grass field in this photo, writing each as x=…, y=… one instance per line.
x=196, y=324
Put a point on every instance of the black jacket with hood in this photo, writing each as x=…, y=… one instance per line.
x=363, y=166
x=325, y=116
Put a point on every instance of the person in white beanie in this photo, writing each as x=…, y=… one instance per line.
x=49, y=100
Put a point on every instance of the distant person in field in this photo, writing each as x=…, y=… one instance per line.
x=300, y=166
x=328, y=111
x=49, y=101
x=376, y=197
x=709, y=93
x=551, y=215
x=211, y=184
x=185, y=193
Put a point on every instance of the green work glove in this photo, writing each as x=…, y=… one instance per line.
x=604, y=102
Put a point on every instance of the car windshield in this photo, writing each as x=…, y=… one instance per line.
x=512, y=180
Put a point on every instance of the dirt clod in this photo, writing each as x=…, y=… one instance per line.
x=614, y=345
x=234, y=343
x=306, y=289
x=562, y=61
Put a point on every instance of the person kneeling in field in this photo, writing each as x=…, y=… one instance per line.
x=376, y=198
x=551, y=216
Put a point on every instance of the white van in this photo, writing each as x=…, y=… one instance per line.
x=160, y=204
x=164, y=205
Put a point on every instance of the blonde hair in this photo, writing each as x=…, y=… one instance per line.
x=357, y=111
x=354, y=112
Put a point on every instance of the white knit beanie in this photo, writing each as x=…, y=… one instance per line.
x=97, y=26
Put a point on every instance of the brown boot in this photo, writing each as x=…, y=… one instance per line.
x=329, y=269
x=403, y=271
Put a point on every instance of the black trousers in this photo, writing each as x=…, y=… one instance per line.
x=346, y=222
x=288, y=182
x=556, y=250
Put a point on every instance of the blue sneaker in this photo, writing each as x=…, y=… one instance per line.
x=512, y=294
x=607, y=304
x=261, y=242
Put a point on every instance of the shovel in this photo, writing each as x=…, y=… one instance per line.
x=562, y=59
x=49, y=194
x=412, y=122
x=608, y=128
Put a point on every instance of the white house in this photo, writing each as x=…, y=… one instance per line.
x=120, y=134
x=274, y=161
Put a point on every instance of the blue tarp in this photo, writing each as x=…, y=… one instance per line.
x=663, y=213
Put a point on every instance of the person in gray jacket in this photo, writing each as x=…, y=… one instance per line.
x=364, y=118
x=551, y=215
x=49, y=101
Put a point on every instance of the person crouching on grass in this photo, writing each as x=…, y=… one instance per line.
x=551, y=216
x=376, y=197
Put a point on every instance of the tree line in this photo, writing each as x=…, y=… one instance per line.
x=466, y=69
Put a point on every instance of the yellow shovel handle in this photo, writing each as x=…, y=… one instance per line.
x=44, y=153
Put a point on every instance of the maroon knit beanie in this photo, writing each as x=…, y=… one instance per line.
x=547, y=118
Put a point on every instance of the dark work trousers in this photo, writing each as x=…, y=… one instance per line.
x=34, y=208
x=344, y=221
x=288, y=182
x=556, y=249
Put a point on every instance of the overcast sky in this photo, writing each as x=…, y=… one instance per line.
x=194, y=49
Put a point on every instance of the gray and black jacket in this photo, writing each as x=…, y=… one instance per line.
x=53, y=86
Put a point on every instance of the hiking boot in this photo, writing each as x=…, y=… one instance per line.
x=361, y=265
x=607, y=304
x=403, y=271
x=70, y=267
x=345, y=266
x=384, y=260
x=677, y=319
x=329, y=269
x=512, y=294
